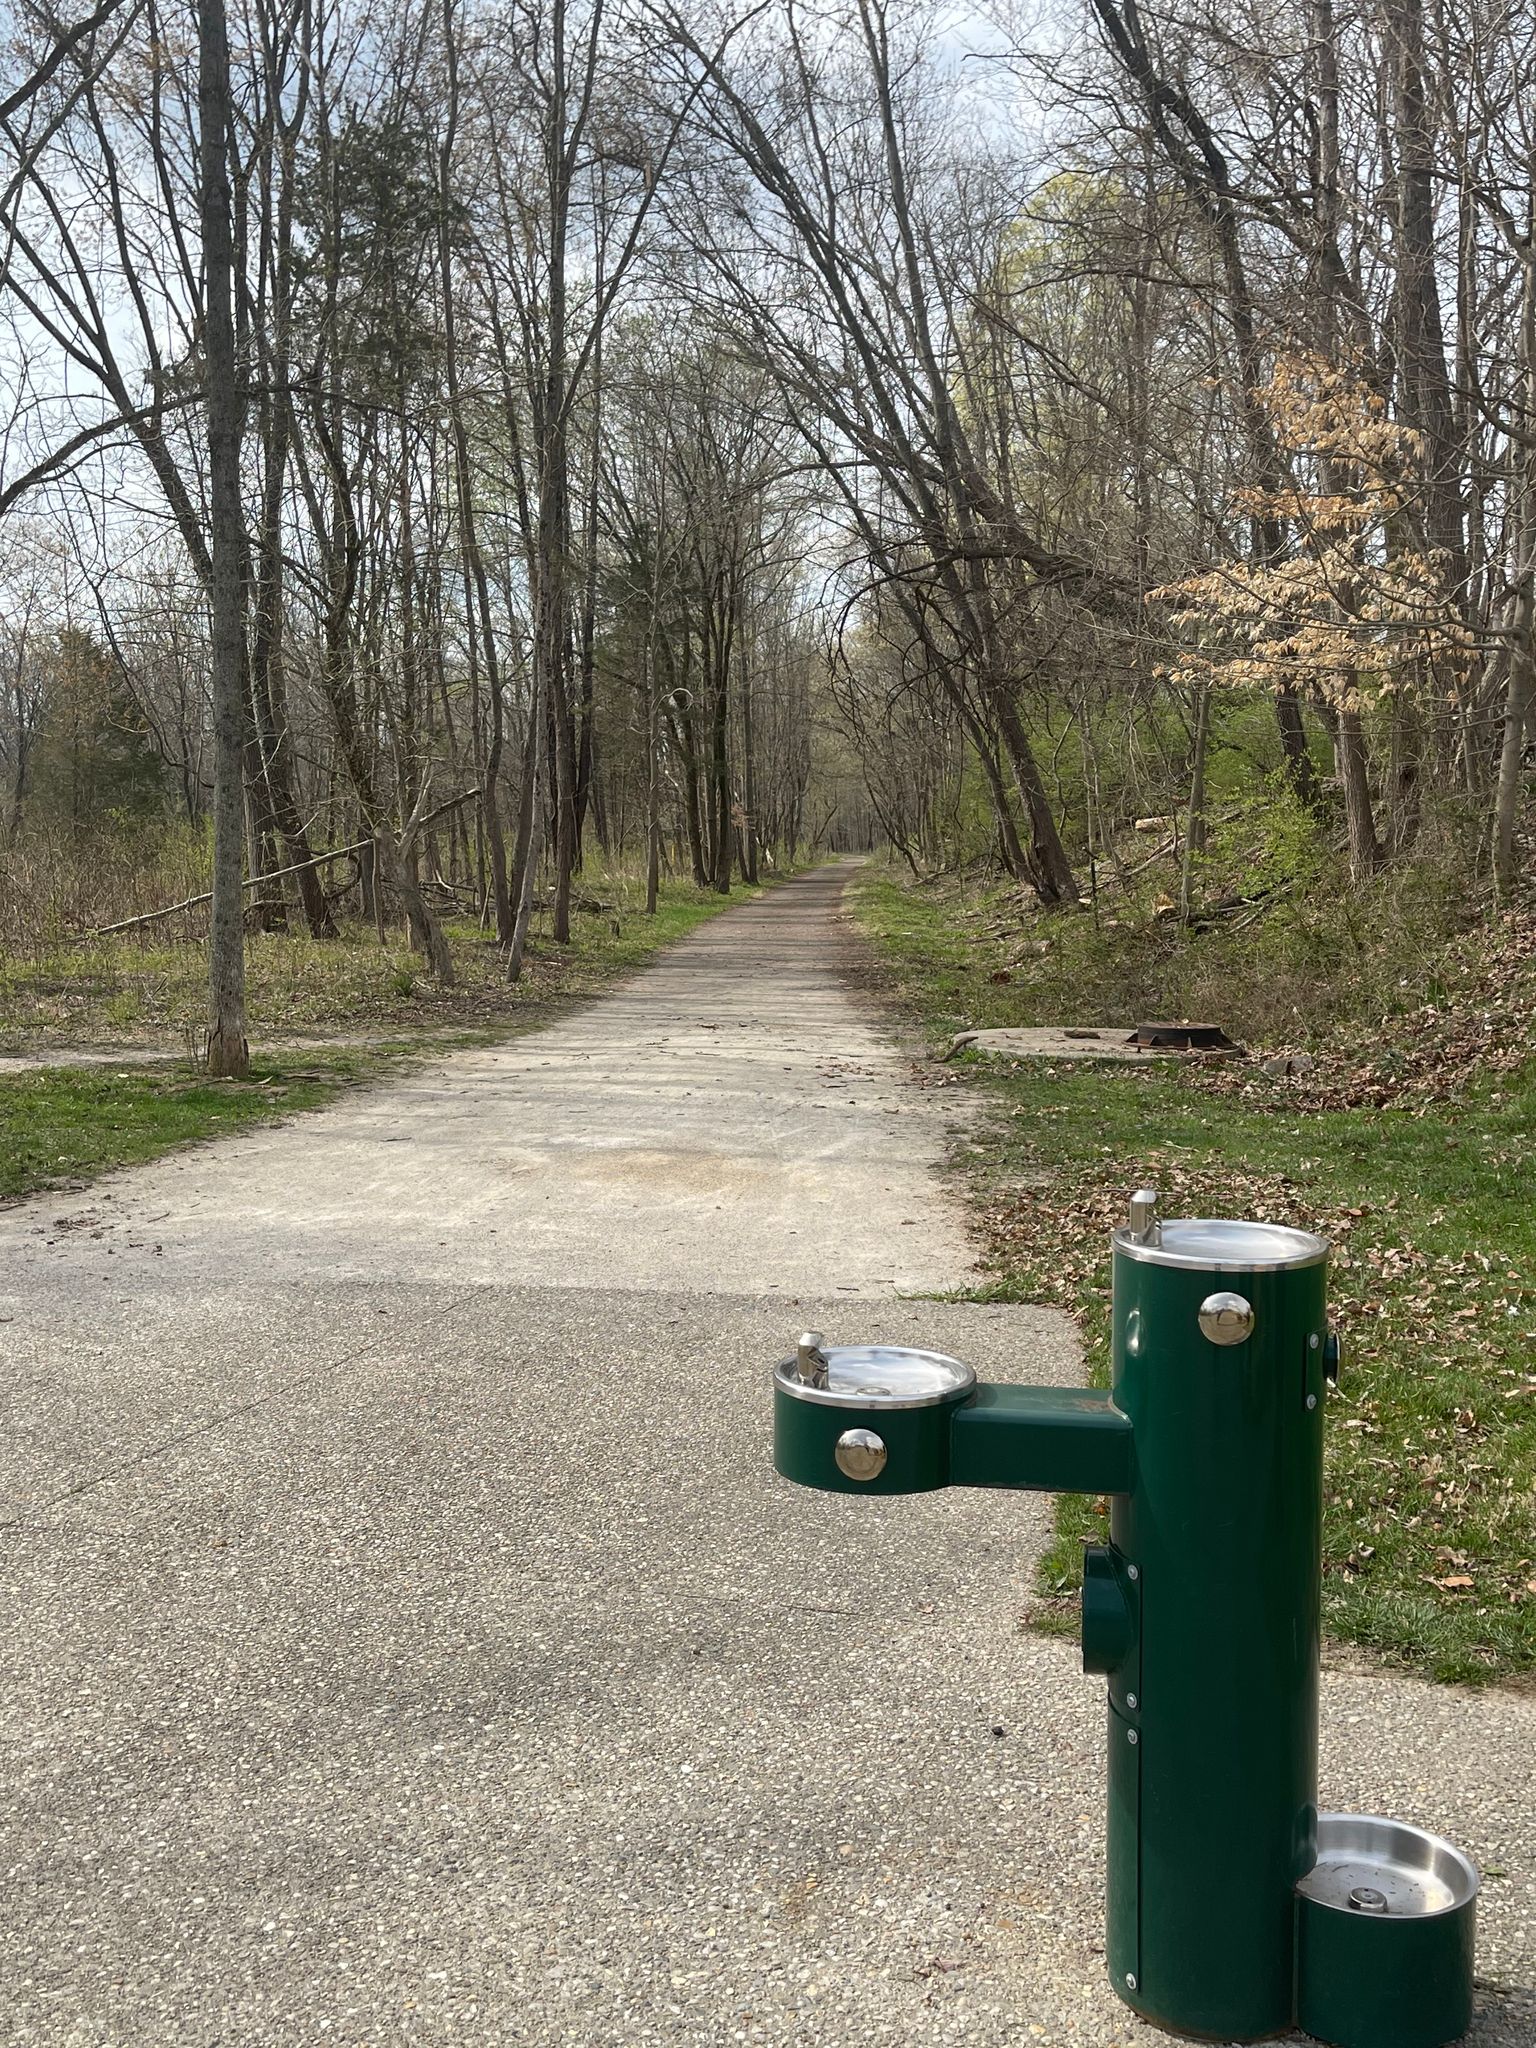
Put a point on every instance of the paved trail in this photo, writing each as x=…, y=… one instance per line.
x=405, y=1639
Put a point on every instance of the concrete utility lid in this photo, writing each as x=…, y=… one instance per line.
x=1060, y=1042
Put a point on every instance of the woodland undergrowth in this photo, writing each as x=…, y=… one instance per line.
x=1392, y=1107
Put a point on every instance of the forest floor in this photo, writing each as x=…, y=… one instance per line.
x=99, y=1040
x=1410, y=1141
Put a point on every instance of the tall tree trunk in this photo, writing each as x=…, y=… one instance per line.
x=652, y=794
x=1424, y=380
x=530, y=832
x=1049, y=870
x=564, y=791
x=748, y=765
x=228, y=1051
x=490, y=811
x=551, y=621
x=1518, y=706
x=268, y=908
x=1295, y=751
x=23, y=751
x=720, y=778
x=585, y=767
x=1520, y=700
x=552, y=599
x=1014, y=858
x=269, y=694
x=1194, y=826
x=1365, y=849
x=478, y=624
x=680, y=724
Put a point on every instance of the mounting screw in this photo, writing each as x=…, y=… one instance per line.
x=1130, y=1980
x=1131, y=1736
x=1313, y=1341
x=1133, y=1571
x=1311, y=1400
x=1130, y=1699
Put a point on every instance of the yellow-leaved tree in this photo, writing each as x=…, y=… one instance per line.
x=1359, y=609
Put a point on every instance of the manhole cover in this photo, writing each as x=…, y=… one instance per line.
x=1182, y=1038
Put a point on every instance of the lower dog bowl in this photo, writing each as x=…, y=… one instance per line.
x=1384, y=1927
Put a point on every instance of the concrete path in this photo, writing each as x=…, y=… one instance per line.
x=406, y=1640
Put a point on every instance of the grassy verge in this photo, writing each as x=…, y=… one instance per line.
x=65, y=1124
x=1430, y=1538
x=142, y=989
x=60, y=1125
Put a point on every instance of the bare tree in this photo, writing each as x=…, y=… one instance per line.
x=228, y=1052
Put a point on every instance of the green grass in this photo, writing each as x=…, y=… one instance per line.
x=65, y=1124
x=60, y=1125
x=1430, y=1534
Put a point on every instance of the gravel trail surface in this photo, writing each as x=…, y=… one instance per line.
x=405, y=1637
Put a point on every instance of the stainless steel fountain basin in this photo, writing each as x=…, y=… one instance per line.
x=1385, y=1924
x=1367, y=1864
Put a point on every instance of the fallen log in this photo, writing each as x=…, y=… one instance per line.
x=128, y=924
x=589, y=906
x=319, y=860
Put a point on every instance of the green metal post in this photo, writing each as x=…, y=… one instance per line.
x=1219, y=1358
